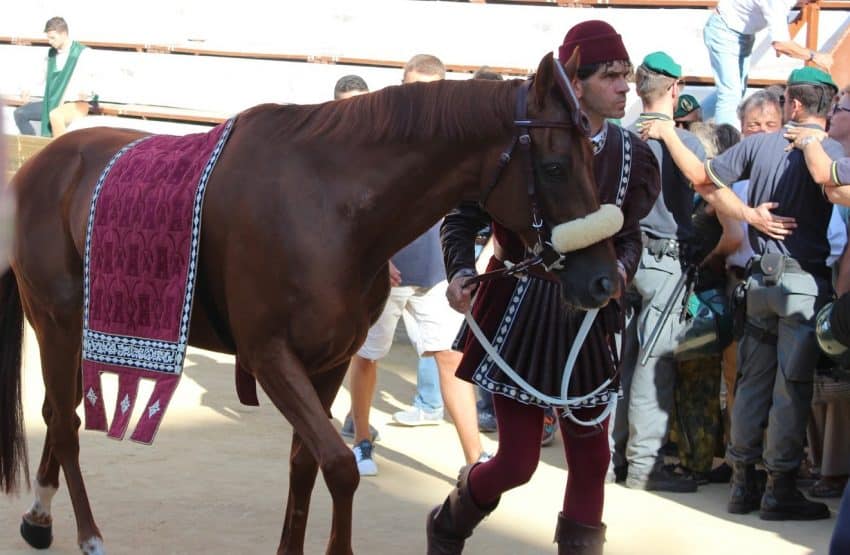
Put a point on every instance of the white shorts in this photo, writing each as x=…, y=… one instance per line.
x=430, y=322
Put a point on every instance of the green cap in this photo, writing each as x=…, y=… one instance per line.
x=661, y=62
x=685, y=106
x=811, y=76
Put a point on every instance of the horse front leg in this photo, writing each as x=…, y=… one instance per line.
x=285, y=380
x=304, y=468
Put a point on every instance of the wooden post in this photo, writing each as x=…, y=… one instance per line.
x=811, y=15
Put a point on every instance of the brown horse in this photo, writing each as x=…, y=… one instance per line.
x=302, y=212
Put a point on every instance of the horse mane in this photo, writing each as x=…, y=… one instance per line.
x=452, y=111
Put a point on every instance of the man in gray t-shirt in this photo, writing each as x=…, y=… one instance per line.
x=642, y=420
x=787, y=284
x=781, y=176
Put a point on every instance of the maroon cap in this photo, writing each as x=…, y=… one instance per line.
x=599, y=42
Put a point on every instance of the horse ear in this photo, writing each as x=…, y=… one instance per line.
x=543, y=79
x=571, y=67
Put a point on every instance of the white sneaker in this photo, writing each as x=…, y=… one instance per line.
x=418, y=417
x=363, y=455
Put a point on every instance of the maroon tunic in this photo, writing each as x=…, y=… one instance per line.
x=525, y=318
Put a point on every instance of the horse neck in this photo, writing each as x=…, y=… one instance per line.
x=410, y=200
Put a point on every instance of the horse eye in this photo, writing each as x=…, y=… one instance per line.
x=553, y=169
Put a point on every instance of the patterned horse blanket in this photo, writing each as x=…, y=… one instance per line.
x=141, y=263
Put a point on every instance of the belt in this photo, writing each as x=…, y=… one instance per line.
x=792, y=266
x=660, y=247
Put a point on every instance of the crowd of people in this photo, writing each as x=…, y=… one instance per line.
x=705, y=365
x=724, y=220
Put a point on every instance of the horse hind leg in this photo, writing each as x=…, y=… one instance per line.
x=304, y=468
x=284, y=379
x=59, y=343
x=37, y=523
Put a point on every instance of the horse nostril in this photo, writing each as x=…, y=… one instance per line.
x=602, y=288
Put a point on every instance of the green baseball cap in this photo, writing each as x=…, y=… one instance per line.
x=685, y=106
x=811, y=76
x=661, y=62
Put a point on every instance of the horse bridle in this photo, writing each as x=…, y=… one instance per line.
x=543, y=253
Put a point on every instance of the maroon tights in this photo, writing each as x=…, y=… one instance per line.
x=520, y=429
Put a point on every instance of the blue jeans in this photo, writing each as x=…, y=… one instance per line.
x=428, y=396
x=729, y=52
x=841, y=534
x=26, y=114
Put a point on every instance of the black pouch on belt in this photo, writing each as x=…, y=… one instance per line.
x=772, y=266
x=738, y=306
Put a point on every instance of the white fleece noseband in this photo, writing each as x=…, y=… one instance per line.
x=583, y=232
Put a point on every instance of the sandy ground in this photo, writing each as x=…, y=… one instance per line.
x=215, y=482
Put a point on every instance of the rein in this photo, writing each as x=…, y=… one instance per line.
x=543, y=253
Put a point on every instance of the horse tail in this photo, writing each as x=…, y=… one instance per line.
x=13, y=448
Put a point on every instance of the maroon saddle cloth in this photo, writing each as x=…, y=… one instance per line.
x=141, y=261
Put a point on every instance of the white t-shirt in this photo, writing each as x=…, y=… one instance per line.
x=81, y=86
x=836, y=233
x=751, y=16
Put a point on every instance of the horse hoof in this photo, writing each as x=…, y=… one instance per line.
x=39, y=537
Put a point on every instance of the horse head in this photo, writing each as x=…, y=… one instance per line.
x=563, y=221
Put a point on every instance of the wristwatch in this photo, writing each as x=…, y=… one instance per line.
x=811, y=55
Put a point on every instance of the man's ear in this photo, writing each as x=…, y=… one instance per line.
x=578, y=87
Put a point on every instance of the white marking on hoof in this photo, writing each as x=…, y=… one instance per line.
x=93, y=546
x=39, y=514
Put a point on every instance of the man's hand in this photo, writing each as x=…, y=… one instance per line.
x=395, y=275
x=797, y=134
x=655, y=128
x=775, y=227
x=460, y=296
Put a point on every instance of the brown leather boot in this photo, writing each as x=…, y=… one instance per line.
x=452, y=522
x=783, y=501
x=745, y=495
x=575, y=538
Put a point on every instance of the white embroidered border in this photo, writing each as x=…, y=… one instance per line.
x=510, y=389
x=625, y=169
x=135, y=352
x=480, y=376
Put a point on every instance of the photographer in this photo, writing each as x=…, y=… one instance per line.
x=788, y=282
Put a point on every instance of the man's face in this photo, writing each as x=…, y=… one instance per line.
x=414, y=76
x=57, y=39
x=761, y=119
x=685, y=121
x=839, y=124
x=603, y=94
